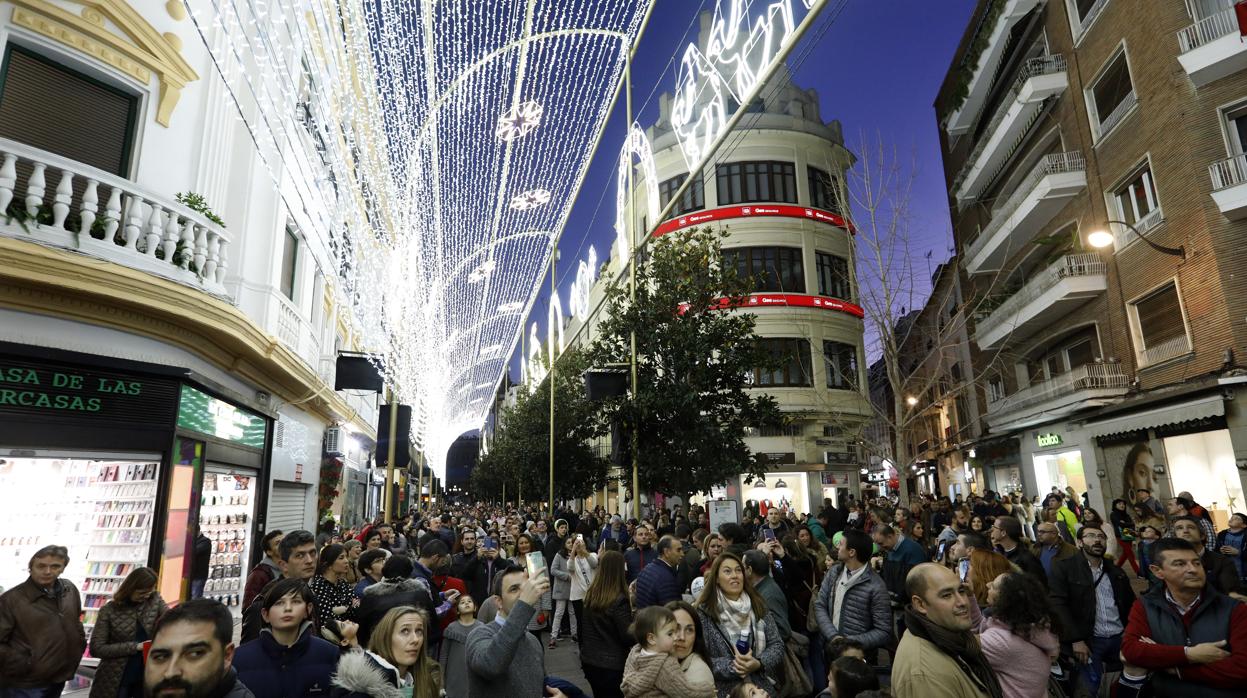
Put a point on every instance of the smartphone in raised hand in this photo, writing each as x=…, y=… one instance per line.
x=536, y=564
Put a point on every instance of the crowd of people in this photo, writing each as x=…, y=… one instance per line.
x=995, y=596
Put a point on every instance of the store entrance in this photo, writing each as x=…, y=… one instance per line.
x=1204, y=465
x=227, y=517
x=1059, y=470
x=100, y=507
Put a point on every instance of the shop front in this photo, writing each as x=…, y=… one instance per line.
x=116, y=460
x=1060, y=457
x=1186, y=446
x=1000, y=463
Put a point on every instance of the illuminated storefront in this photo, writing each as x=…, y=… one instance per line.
x=116, y=460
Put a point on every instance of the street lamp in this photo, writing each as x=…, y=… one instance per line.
x=1100, y=239
x=911, y=401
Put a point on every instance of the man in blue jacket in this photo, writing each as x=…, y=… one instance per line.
x=288, y=660
x=656, y=585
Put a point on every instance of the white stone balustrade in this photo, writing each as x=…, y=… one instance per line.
x=137, y=228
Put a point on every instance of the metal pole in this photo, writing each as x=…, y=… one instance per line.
x=552, y=332
x=636, y=490
x=391, y=453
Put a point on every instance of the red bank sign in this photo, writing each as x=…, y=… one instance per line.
x=764, y=211
x=791, y=300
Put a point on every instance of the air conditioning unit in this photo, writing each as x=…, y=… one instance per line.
x=333, y=441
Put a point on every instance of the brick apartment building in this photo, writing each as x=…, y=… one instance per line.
x=1103, y=368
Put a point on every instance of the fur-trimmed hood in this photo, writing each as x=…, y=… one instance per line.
x=392, y=585
x=359, y=673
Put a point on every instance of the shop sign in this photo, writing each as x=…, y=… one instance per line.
x=27, y=387
x=839, y=457
x=1046, y=440
x=202, y=413
x=828, y=478
x=778, y=458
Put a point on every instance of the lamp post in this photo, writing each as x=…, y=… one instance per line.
x=1100, y=239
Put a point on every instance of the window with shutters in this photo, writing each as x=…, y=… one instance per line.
x=840, y=361
x=1159, y=325
x=746, y=182
x=824, y=190
x=693, y=198
x=789, y=364
x=833, y=276
x=51, y=107
x=1137, y=205
x=774, y=269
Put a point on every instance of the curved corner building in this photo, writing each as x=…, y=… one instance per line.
x=776, y=185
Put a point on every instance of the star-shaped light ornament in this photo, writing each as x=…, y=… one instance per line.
x=513, y=307
x=480, y=273
x=518, y=121
x=530, y=199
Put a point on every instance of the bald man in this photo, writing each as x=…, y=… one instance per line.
x=940, y=628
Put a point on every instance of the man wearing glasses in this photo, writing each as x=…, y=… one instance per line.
x=1050, y=547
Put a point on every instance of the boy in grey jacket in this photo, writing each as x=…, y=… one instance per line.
x=853, y=601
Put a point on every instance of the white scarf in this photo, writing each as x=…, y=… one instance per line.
x=735, y=616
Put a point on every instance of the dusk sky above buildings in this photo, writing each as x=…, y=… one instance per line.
x=876, y=69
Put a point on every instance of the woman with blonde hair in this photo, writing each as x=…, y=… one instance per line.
x=123, y=625
x=985, y=566
x=394, y=663
x=710, y=549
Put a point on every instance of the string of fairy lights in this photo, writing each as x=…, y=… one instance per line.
x=440, y=146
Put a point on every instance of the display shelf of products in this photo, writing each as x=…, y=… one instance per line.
x=101, y=510
x=226, y=515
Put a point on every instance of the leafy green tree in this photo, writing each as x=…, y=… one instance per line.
x=520, y=453
x=695, y=360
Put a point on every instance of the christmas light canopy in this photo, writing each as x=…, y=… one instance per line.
x=518, y=121
x=530, y=199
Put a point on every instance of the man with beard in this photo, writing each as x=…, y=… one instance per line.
x=191, y=654
x=1091, y=599
x=434, y=561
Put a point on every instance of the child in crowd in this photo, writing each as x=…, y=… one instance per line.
x=850, y=677
x=651, y=670
x=747, y=690
x=453, y=656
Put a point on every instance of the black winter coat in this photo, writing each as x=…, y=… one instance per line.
x=604, y=637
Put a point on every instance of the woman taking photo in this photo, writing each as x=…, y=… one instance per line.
x=123, y=625
x=394, y=664
x=734, y=616
x=1018, y=640
x=604, y=635
x=335, y=595
x=582, y=566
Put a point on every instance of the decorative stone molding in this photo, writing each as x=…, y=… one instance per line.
x=138, y=54
x=58, y=283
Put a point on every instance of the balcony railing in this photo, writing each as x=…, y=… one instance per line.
x=1067, y=267
x=1208, y=30
x=1229, y=172
x=1169, y=349
x=1055, y=163
x=1119, y=112
x=72, y=205
x=1086, y=377
x=1040, y=65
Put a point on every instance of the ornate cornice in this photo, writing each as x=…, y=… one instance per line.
x=139, y=53
x=47, y=281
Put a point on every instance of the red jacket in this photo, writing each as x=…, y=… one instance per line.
x=1230, y=672
x=447, y=583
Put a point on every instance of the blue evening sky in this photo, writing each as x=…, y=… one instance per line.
x=877, y=69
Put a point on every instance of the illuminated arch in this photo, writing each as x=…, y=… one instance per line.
x=635, y=145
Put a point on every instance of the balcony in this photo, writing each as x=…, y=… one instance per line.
x=1090, y=385
x=1211, y=48
x=984, y=70
x=1050, y=185
x=1229, y=186
x=1059, y=289
x=63, y=203
x=1037, y=80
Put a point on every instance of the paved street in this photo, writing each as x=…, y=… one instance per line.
x=564, y=662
